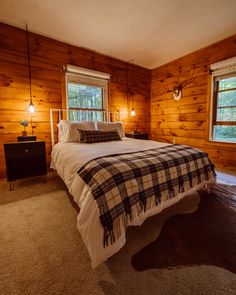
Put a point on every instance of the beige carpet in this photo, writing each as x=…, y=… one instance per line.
x=41, y=251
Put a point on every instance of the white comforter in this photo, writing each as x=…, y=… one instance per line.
x=67, y=158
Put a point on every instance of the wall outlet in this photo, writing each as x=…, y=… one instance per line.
x=173, y=141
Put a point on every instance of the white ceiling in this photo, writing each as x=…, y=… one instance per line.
x=150, y=32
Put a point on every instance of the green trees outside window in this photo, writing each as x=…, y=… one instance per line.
x=88, y=99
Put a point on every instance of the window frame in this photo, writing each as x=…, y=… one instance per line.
x=214, y=102
x=92, y=83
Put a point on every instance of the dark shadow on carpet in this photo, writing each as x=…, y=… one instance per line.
x=205, y=237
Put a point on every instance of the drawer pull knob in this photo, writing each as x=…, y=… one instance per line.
x=26, y=150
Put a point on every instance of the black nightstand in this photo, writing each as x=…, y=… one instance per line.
x=137, y=135
x=25, y=159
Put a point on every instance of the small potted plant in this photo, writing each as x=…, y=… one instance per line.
x=25, y=124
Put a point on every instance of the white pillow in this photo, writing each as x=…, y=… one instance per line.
x=111, y=126
x=68, y=130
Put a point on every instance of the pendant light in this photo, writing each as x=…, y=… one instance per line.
x=132, y=113
x=31, y=107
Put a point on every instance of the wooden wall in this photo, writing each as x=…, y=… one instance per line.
x=48, y=57
x=187, y=121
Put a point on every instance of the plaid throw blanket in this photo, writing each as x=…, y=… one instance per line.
x=125, y=185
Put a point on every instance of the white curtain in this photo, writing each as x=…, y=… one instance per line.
x=86, y=76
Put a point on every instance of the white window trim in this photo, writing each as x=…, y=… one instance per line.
x=222, y=67
x=211, y=110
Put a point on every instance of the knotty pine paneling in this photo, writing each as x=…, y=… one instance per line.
x=47, y=58
x=187, y=121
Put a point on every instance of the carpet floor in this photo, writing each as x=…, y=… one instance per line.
x=41, y=251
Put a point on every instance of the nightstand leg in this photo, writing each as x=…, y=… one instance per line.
x=11, y=185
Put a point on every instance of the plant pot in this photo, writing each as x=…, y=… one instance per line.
x=24, y=133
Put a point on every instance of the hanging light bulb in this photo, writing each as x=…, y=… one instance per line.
x=133, y=113
x=31, y=107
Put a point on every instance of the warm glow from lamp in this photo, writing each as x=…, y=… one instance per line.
x=133, y=113
x=31, y=107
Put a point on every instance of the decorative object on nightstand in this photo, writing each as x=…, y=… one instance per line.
x=25, y=124
x=25, y=159
x=137, y=135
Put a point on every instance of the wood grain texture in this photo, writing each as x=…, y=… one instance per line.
x=187, y=121
x=48, y=57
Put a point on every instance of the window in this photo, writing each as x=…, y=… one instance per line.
x=87, y=94
x=224, y=106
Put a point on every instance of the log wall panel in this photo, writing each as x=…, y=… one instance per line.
x=48, y=57
x=186, y=121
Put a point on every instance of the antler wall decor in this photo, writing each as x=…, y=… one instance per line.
x=179, y=85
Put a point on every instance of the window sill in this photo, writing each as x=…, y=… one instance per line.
x=228, y=144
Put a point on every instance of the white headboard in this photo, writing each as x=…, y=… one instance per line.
x=56, y=115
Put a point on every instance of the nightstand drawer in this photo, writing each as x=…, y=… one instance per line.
x=24, y=149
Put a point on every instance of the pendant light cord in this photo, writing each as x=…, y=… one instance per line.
x=127, y=85
x=132, y=83
x=130, y=62
x=29, y=65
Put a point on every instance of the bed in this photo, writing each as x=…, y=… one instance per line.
x=72, y=161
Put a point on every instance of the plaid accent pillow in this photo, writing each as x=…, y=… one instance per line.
x=93, y=136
